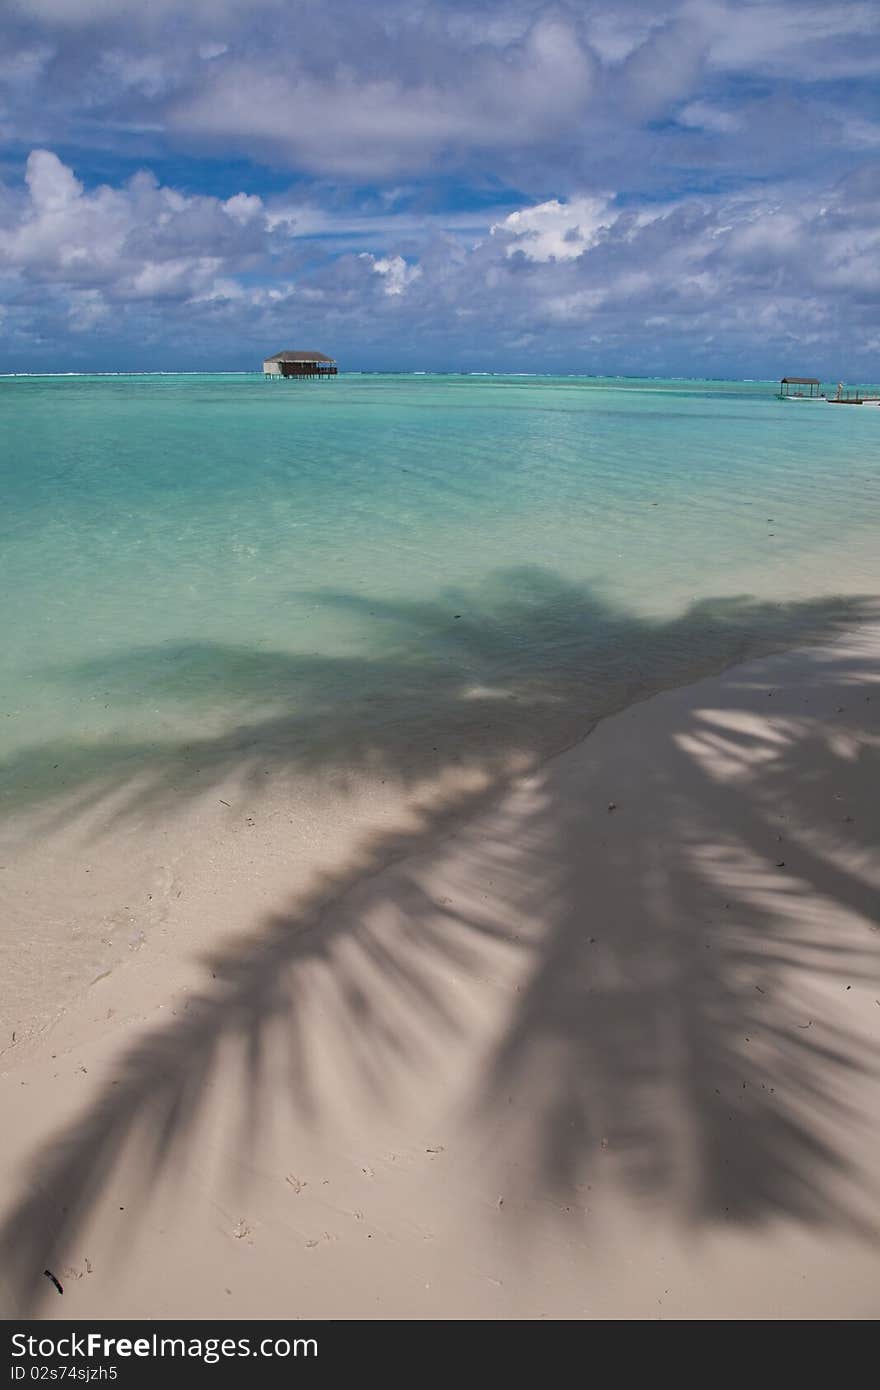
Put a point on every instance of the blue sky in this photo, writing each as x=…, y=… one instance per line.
x=511, y=185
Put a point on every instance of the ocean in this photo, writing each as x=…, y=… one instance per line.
x=382, y=576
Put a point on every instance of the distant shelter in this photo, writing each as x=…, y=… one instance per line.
x=295, y=363
x=793, y=386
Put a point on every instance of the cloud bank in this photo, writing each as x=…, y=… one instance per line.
x=671, y=187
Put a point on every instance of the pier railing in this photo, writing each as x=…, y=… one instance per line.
x=852, y=396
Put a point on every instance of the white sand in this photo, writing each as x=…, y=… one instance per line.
x=558, y=1061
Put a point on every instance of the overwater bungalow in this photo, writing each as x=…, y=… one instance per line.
x=295, y=363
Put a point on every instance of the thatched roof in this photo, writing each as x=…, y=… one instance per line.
x=800, y=381
x=291, y=355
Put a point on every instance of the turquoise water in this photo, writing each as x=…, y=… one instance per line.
x=378, y=570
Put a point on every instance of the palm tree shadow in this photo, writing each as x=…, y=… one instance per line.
x=525, y=665
x=675, y=1032
x=628, y=1036
x=259, y=995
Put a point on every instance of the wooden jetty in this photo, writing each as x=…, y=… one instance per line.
x=845, y=395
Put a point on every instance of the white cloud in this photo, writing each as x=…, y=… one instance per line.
x=700, y=115
x=556, y=231
x=243, y=207
x=139, y=241
x=53, y=186
x=398, y=276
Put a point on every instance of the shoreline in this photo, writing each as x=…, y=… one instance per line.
x=480, y=922
x=349, y=811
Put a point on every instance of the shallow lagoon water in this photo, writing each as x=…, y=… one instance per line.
x=206, y=557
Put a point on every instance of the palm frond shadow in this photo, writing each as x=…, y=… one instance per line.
x=685, y=1045
x=669, y=1037
x=523, y=665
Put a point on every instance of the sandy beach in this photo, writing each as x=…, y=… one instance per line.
x=605, y=1047
x=440, y=680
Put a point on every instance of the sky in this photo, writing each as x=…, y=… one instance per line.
x=504, y=185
